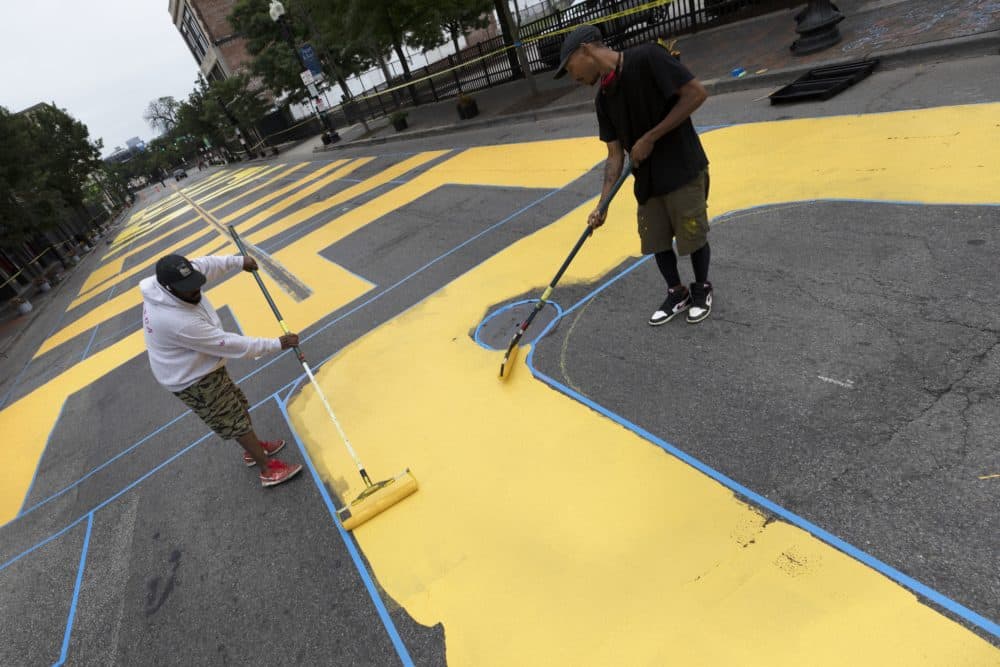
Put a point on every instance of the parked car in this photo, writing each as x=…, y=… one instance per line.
x=179, y=174
x=614, y=32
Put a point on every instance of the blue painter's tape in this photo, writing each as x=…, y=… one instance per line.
x=352, y=548
x=76, y=590
x=121, y=454
x=403, y=280
x=93, y=335
x=503, y=309
x=917, y=587
x=34, y=476
x=39, y=545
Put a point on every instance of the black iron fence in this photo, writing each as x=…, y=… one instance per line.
x=623, y=23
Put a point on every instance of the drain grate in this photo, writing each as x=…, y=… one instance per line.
x=823, y=83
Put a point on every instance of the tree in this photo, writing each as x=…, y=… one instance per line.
x=27, y=201
x=161, y=114
x=274, y=61
x=48, y=169
x=446, y=19
x=67, y=155
x=386, y=23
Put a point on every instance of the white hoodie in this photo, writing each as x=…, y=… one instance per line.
x=186, y=341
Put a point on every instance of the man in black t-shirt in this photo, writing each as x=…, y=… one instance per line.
x=644, y=106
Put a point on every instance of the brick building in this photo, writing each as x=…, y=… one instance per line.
x=213, y=42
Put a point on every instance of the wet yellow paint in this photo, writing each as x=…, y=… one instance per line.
x=258, y=203
x=543, y=533
x=271, y=181
x=27, y=421
x=102, y=276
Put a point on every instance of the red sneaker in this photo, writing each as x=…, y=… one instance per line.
x=278, y=471
x=271, y=448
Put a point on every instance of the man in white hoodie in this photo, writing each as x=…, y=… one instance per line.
x=188, y=349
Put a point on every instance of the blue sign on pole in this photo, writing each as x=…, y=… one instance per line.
x=310, y=58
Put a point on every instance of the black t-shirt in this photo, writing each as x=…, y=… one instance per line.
x=644, y=92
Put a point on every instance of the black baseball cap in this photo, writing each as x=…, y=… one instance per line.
x=176, y=272
x=583, y=34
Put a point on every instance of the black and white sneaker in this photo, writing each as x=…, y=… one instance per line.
x=678, y=300
x=701, y=302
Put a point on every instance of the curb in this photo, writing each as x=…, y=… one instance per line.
x=982, y=44
x=510, y=119
x=987, y=43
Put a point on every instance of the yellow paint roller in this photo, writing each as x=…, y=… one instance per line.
x=376, y=496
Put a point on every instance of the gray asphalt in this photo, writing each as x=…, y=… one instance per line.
x=898, y=304
x=190, y=562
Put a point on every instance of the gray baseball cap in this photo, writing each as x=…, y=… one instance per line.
x=582, y=34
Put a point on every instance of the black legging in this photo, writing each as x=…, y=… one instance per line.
x=667, y=263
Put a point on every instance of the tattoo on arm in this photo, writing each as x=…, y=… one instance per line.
x=609, y=172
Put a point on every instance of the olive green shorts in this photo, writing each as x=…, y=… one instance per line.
x=220, y=404
x=681, y=214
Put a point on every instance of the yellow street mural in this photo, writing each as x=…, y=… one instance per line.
x=582, y=543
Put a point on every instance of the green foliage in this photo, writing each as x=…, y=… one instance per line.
x=47, y=170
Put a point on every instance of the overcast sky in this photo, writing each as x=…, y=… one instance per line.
x=101, y=60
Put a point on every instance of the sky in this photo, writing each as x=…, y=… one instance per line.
x=101, y=60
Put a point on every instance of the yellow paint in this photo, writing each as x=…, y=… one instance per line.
x=281, y=192
x=104, y=273
x=144, y=267
x=545, y=534
x=292, y=199
x=24, y=421
x=124, y=249
x=235, y=183
x=122, y=302
x=288, y=172
x=354, y=221
x=344, y=195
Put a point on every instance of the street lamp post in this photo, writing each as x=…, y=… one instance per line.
x=277, y=12
x=236, y=126
x=817, y=27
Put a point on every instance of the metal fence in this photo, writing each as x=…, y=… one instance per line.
x=487, y=64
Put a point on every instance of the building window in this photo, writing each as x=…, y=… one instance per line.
x=217, y=74
x=193, y=35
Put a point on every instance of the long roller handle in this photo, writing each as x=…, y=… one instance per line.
x=305, y=366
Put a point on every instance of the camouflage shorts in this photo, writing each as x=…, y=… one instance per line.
x=681, y=214
x=220, y=404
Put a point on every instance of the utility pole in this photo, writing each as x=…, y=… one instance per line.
x=277, y=13
x=518, y=61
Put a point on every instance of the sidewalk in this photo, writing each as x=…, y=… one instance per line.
x=897, y=31
x=14, y=326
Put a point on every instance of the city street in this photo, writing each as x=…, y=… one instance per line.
x=810, y=476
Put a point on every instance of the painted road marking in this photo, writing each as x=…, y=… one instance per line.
x=545, y=531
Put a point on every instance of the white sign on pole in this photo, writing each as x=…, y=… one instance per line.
x=307, y=77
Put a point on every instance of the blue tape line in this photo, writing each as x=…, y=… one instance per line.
x=119, y=332
x=917, y=587
x=100, y=467
x=76, y=590
x=123, y=453
x=34, y=476
x=405, y=279
x=41, y=544
x=93, y=335
x=320, y=220
x=352, y=548
x=503, y=309
x=282, y=354
x=13, y=386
